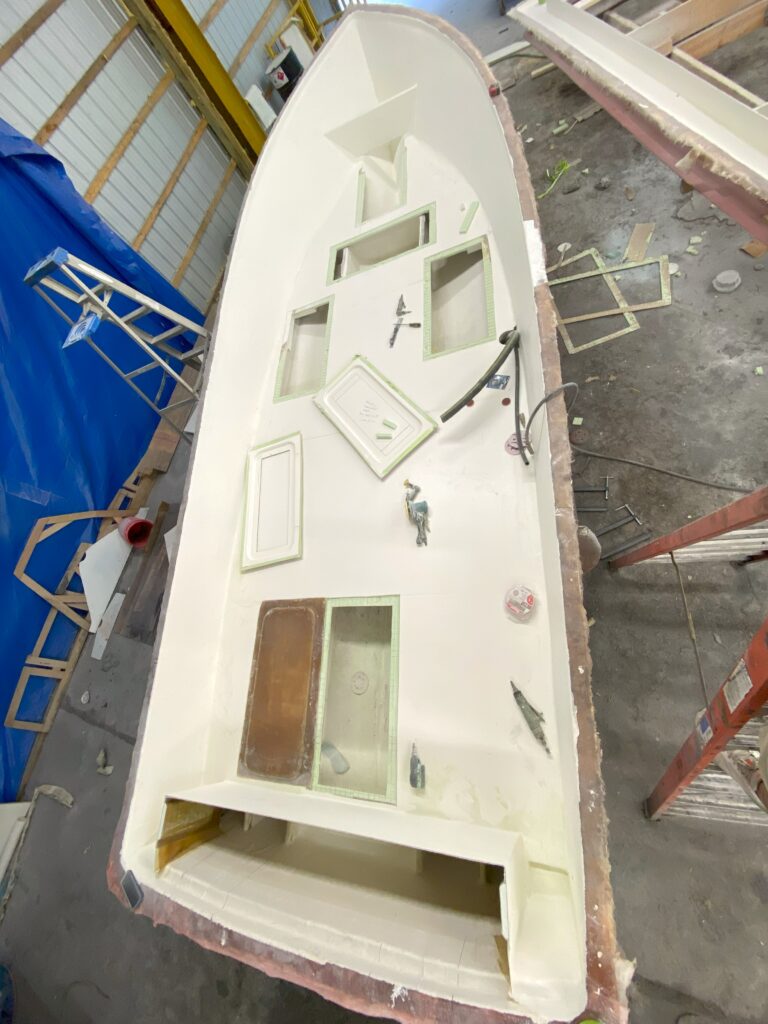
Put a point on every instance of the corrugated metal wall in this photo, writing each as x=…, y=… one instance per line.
x=232, y=27
x=88, y=85
x=132, y=131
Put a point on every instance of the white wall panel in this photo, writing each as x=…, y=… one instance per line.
x=180, y=218
x=203, y=271
x=13, y=14
x=198, y=8
x=100, y=119
x=39, y=76
x=139, y=178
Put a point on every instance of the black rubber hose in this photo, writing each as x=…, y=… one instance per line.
x=518, y=437
x=736, y=488
x=543, y=402
x=510, y=340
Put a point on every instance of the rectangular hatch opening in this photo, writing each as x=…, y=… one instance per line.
x=304, y=356
x=387, y=243
x=457, y=299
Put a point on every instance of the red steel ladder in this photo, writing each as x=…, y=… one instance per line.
x=714, y=773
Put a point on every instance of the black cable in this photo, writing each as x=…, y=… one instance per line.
x=518, y=437
x=510, y=340
x=544, y=400
x=666, y=472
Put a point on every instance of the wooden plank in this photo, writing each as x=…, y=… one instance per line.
x=726, y=31
x=102, y=175
x=638, y=243
x=89, y=77
x=170, y=185
x=28, y=29
x=207, y=216
x=141, y=609
x=710, y=75
x=253, y=37
x=755, y=249
x=213, y=12
x=690, y=17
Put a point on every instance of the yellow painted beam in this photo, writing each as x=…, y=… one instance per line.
x=205, y=77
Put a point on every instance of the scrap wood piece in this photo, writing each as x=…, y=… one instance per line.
x=607, y=272
x=622, y=306
x=140, y=612
x=638, y=243
x=755, y=248
x=106, y=626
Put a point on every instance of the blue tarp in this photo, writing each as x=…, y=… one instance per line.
x=72, y=431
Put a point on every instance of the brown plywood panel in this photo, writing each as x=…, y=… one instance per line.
x=278, y=735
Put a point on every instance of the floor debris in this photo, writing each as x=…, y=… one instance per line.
x=755, y=249
x=106, y=626
x=698, y=207
x=533, y=719
x=629, y=192
x=561, y=168
x=638, y=243
x=417, y=771
x=101, y=763
x=603, y=184
x=727, y=281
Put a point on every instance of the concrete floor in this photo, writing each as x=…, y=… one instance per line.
x=690, y=896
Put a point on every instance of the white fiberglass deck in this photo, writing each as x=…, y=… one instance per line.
x=403, y=885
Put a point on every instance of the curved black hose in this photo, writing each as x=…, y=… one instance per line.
x=544, y=400
x=510, y=340
x=518, y=436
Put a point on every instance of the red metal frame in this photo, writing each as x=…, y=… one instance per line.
x=753, y=508
x=724, y=723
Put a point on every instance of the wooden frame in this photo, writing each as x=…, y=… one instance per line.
x=70, y=603
x=37, y=665
x=691, y=30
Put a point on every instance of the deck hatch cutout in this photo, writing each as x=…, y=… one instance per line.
x=304, y=355
x=381, y=183
x=278, y=734
x=272, y=530
x=355, y=743
x=406, y=234
x=458, y=299
x=381, y=423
